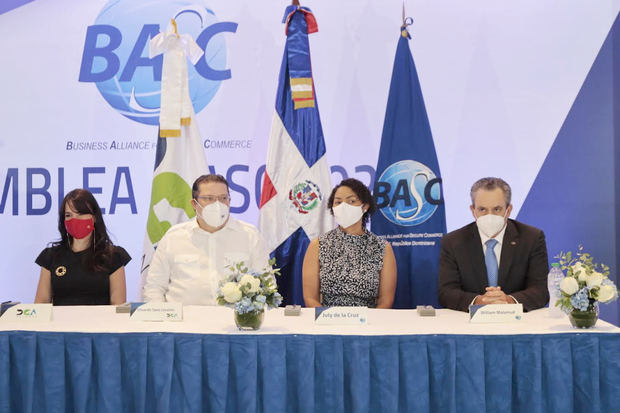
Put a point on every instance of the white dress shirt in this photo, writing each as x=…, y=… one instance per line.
x=497, y=250
x=189, y=262
x=498, y=247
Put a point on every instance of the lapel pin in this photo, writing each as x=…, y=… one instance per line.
x=513, y=242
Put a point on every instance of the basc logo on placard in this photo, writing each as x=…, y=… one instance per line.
x=408, y=193
x=115, y=55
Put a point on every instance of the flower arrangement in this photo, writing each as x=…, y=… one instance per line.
x=248, y=291
x=586, y=283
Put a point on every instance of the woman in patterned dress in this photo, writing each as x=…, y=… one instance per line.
x=349, y=265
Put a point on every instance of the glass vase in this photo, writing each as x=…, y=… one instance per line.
x=249, y=321
x=583, y=319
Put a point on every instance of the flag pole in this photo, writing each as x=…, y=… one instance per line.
x=407, y=21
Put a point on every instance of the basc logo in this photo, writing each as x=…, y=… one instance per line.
x=408, y=193
x=116, y=52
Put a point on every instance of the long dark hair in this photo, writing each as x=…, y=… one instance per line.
x=101, y=248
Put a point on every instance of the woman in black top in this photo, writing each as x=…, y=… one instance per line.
x=84, y=267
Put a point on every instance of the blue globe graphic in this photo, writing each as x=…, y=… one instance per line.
x=129, y=16
x=418, y=209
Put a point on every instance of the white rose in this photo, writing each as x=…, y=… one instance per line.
x=606, y=293
x=579, y=270
x=569, y=285
x=231, y=292
x=253, y=281
x=595, y=279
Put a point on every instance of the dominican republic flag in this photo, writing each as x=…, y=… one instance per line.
x=293, y=206
x=408, y=189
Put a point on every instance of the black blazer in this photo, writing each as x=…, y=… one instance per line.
x=523, y=266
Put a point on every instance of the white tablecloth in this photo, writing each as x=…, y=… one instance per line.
x=219, y=320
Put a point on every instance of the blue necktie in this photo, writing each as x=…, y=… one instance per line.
x=491, y=261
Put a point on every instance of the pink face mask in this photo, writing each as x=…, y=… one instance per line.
x=79, y=228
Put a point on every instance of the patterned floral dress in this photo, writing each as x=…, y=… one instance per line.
x=349, y=268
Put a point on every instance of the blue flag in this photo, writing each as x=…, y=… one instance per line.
x=296, y=185
x=408, y=191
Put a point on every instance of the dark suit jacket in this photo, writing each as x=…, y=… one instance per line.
x=523, y=266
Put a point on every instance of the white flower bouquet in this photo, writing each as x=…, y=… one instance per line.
x=248, y=292
x=586, y=283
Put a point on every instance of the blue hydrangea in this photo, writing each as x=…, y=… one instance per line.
x=277, y=299
x=579, y=300
x=239, y=308
x=243, y=306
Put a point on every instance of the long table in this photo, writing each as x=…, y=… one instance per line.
x=90, y=359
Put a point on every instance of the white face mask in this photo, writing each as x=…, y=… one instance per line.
x=215, y=214
x=490, y=224
x=347, y=214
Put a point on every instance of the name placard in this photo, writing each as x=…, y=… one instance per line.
x=495, y=313
x=156, y=311
x=26, y=312
x=341, y=316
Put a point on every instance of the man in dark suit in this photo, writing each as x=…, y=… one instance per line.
x=494, y=260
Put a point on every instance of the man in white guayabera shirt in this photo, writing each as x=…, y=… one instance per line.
x=191, y=258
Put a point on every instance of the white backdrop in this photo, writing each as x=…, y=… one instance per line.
x=498, y=80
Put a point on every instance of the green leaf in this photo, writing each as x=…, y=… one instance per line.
x=594, y=292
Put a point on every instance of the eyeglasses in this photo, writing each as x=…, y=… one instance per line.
x=209, y=199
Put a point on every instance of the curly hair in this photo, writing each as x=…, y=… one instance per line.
x=361, y=191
